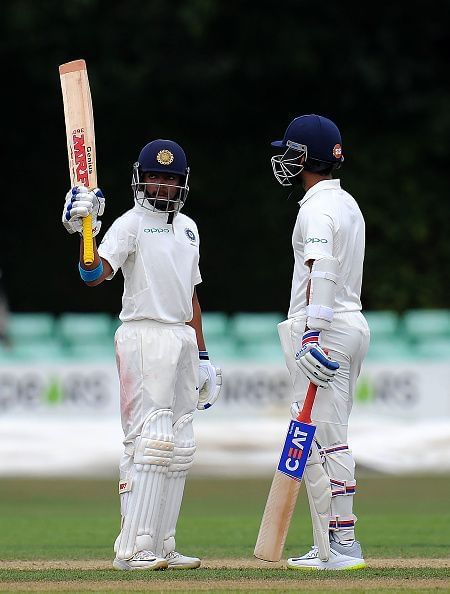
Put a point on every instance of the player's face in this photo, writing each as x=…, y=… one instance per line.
x=161, y=185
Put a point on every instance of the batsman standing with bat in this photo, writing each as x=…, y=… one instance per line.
x=164, y=368
x=325, y=327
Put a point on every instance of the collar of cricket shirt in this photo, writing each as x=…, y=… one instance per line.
x=146, y=212
x=326, y=184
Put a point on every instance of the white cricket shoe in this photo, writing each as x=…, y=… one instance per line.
x=342, y=556
x=178, y=561
x=141, y=560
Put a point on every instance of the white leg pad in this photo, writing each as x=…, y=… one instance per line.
x=340, y=467
x=181, y=463
x=153, y=454
x=318, y=488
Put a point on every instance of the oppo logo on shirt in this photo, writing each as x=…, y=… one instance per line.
x=156, y=230
x=315, y=240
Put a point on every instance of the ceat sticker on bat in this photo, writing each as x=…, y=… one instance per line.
x=296, y=449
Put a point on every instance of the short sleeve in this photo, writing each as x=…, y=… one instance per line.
x=317, y=231
x=118, y=243
x=197, y=276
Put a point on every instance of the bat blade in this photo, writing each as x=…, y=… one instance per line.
x=80, y=135
x=285, y=487
x=277, y=517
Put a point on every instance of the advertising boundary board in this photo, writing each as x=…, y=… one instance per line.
x=63, y=419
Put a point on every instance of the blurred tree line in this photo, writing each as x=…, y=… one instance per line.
x=224, y=79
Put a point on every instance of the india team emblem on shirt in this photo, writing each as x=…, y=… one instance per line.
x=190, y=234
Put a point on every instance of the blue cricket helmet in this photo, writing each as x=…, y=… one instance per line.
x=165, y=156
x=311, y=142
x=161, y=156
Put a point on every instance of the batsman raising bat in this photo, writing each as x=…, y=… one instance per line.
x=164, y=368
x=325, y=337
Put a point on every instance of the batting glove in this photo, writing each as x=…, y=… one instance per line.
x=210, y=382
x=314, y=362
x=80, y=202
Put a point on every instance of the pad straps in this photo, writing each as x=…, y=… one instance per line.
x=342, y=487
x=340, y=447
x=342, y=522
x=339, y=487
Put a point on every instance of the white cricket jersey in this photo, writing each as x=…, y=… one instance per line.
x=329, y=223
x=159, y=262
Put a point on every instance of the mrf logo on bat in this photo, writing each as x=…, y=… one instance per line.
x=296, y=449
x=82, y=157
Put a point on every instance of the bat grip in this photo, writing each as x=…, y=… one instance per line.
x=88, y=242
x=304, y=416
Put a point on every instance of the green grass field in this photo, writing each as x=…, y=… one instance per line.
x=74, y=522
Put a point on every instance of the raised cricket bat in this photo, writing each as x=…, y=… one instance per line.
x=80, y=136
x=286, y=483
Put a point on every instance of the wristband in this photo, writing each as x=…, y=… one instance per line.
x=91, y=275
x=322, y=312
x=203, y=355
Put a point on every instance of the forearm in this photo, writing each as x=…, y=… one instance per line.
x=96, y=261
x=321, y=292
x=106, y=268
x=308, y=287
x=196, y=322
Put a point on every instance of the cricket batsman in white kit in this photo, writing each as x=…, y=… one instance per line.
x=325, y=326
x=164, y=368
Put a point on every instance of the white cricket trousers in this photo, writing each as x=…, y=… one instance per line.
x=347, y=342
x=158, y=369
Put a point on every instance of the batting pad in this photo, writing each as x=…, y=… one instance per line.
x=183, y=458
x=340, y=467
x=318, y=489
x=152, y=456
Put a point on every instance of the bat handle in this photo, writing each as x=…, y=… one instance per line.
x=88, y=242
x=304, y=416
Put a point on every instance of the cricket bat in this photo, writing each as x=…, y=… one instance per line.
x=286, y=483
x=79, y=119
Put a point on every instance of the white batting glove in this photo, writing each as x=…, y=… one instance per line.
x=80, y=202
x=314, y=362
x=210, y=382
